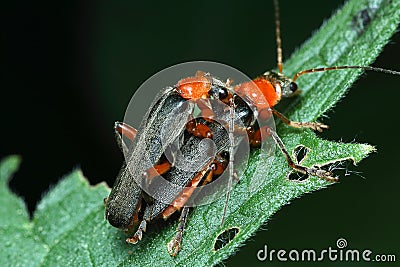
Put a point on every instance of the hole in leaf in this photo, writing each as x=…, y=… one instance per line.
x=341, y=167
x=300, y=153
x=362, y=19
x=225, y=238
x=297, y=176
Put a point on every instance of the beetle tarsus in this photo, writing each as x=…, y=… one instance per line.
x=316, y=126
x=139, y=233
x=326, y=175
x=174, y=246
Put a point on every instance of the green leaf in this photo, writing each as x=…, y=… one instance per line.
x=68, y=227
x=58, y=229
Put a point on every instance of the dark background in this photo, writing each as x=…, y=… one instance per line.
x=69, y=69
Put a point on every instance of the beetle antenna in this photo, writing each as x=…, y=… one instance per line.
x=278, y=36
x=231, y=155
x=297, y=75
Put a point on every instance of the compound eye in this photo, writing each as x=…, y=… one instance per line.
x=223, y=93
x=225, y=155
x=293, y=87
x=219, y=92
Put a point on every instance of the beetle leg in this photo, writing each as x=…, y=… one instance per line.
x=142, y=227
x=198, y=129
x=135, y=220
x=125, y=130
x=215, y=168
x=185, y=194
x=312, y=125
x=157, y=170
x=122, y=129
x=220, y=163
x=203, y=177
x=326, y=175
x=175, y=244
x=257, y=136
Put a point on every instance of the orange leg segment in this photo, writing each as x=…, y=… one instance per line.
x=125, y=130
x=157, y=170
x=214, y=169
x=184, y=196
x=199, y=129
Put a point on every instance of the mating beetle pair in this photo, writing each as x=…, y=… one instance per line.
x=168, y=124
